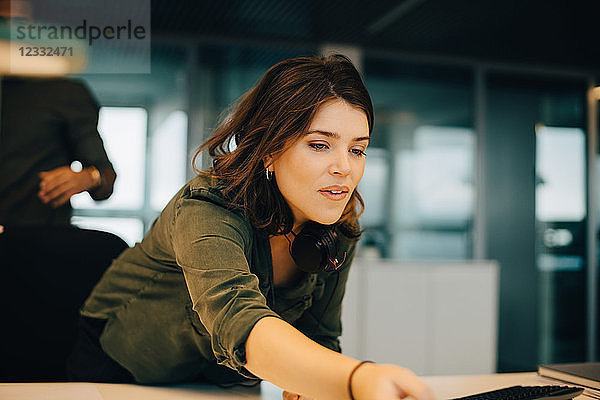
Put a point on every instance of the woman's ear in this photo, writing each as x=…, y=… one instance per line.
x=267, y=162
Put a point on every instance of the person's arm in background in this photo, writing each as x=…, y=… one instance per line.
x=80, y=113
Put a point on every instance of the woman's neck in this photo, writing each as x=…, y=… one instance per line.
x=285, y=271
x=290, y=235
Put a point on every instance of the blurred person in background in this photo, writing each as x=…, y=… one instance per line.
x=45, y=125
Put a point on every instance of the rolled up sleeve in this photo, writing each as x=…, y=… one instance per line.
x=211, y=246
x=322, y=321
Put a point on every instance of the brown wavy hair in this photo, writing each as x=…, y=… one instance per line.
x=270, y=118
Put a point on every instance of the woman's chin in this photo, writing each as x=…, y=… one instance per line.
x=327, y=220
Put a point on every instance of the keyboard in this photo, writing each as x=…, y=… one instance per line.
x=528, y=393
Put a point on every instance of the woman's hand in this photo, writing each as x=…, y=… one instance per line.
x=382, y=381
x=387, y=381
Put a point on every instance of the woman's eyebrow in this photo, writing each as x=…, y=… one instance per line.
x=336, y=135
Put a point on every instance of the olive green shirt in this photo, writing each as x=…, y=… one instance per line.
x=183, y=301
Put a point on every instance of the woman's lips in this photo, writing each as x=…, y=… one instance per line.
x=333, y=196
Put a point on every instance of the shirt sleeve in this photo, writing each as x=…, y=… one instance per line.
x=80, y=114
x=209, y=244
x=322, y=321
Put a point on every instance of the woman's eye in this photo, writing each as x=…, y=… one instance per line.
x=318, y=146
x=359, y=152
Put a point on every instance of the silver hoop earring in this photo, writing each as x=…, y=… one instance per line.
x=269, y=174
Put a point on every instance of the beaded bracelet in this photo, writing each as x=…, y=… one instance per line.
x=352, y=374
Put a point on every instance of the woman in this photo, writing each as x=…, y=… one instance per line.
x=242, y=275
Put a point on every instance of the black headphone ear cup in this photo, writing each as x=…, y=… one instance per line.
x=314, y=247
x=331, y=244
x=307, y=252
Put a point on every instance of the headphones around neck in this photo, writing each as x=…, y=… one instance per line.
x=315, y=247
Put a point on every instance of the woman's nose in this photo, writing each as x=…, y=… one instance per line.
x=341, y=164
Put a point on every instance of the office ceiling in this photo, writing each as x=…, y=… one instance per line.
x=543, y=33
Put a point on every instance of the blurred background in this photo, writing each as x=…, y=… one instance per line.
x=484, y=145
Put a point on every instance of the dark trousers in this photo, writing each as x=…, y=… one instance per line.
x=88, y=362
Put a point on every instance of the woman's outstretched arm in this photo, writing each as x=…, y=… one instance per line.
x=279, y=353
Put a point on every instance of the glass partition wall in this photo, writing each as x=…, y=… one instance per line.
x=536, y=216
x=425, y=149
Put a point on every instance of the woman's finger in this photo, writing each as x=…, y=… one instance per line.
x=411, y=385
x=290, y=396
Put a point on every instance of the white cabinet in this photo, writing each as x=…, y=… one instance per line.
x=436, y=318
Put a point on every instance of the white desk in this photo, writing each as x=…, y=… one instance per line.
x=447, y=387
x=444, y=387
